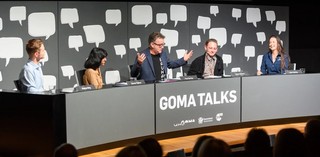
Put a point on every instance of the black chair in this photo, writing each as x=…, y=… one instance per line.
x=79, y=76
x=18, y=84
x=185, y=69
x=177, y=153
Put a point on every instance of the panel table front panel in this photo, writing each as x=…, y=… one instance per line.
x=200, y=103
x=280, y=96
x=108, y=115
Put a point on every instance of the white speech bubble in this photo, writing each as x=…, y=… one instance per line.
x=180, y=52
x=0, y=76
x=236, y=39
x=271, y=16
x=196, y=39
x=169, y=73
x=236, y=13
x=113, y=16
x=236, y=69
x=253, y=16
x=75, y=41
x=162, y=18
x=41, y=24
x=178, y=13
x=45, y=58
x=69, y=16
x=249, y=51
x=259, y=61
x=67, y=71
x=141, y=15
x=49, y=81
x=281, y=26
x=11, y=47
x=261, y=36
x=1, y=24
x=18, y=13
x=220, y=34
x=134, y=43
x=204, y=23
x=94, y=34
x=120, y=50
x=214, y=10
x=227, y=59
x=172, y=38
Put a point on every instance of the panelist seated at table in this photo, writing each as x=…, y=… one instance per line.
x=31, y=76
x=275, y=61
x=209, y=64
x=151, y=64
x=96, y=59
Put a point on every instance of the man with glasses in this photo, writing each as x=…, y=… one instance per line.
x=151, y=64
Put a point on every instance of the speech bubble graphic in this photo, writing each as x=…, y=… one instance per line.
x=204, y=23
x=236, y=13
x=75, y=41
x=1, y=24
x=253, y=16
x=281, y=26
x=120, y=50
x=94, y=34
x=236, y=39
x=236, y=69
x=261, y=36
x=45, y=58
x=271, y=16
x=169, y=74
x=18, y=13
x=220, y=34
x=196, y=39
x=249, y=51
x=41, y=24
x=172, y=38
x=141, y=15
x=67, y=71
x=227, y=59
x=178, y=13
x=181, y=52
x=113, y=16
x=259, y=61
x=162, y=18
x=49, y=81
x=0, y=76
x=135, y=43
x=11, y=47
x=214, y=10
x=69, y=16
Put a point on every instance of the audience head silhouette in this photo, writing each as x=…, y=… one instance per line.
x=257, y=143
x=151, y=147
x=131, y=151
x=289, y=143
x=198, y=144
x=214, y=148
x=312, y=137
x=66, y=150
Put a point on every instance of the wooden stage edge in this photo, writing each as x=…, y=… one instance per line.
x=234, y=137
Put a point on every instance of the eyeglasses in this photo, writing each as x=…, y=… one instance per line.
x=160, y=45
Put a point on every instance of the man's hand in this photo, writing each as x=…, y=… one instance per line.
x=140, y=57
x=188, y=55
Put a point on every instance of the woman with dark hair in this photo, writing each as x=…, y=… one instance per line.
x=92, y=76
x=275, y=61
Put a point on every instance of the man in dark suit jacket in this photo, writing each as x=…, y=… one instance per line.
x=208, y=64
x=151, y=64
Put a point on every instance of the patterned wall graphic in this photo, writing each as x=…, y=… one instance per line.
x=71, y=29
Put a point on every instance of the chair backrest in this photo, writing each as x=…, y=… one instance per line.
x=112, y=76
x=79, y=76
x=185, y=69
x=177, y=153
x=18, y=85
